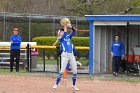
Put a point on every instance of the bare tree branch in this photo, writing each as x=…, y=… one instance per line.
x=76, y=11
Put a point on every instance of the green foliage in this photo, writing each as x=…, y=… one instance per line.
x=77, y=41
x=46, y=41
x=49, y=40
x=90, y=7
x=80, y=41
x=71, y=7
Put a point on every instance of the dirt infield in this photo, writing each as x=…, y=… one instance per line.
x=34, y=84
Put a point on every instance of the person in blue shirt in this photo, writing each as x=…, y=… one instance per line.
x=67, y=55
x=117, y=52
x=15, y=49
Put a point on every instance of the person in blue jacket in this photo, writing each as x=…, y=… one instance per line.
x=15, y=49
x=118, y=52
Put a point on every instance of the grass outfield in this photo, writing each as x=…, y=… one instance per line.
x=6, y=71
x=122, y=77
x=53, y=61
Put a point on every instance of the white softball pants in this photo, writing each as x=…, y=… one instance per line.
x=65, y=58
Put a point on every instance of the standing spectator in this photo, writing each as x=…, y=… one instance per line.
x=15, y=49
x=117, y=52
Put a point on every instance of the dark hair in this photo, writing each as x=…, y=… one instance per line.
x=15, y=27
x=61, y=29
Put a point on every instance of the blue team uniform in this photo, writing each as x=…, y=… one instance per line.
x=15, y=51
x=66, y=47
x=68, y=65
x=117, y=48
x=74, y=50
x=16, y=41
x=66, y=43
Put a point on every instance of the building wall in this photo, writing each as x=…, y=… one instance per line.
x=102, y=51
x=104, y=35
x=134, y=36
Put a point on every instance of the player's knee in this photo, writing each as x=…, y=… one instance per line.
x=59, y=76
x=74, y=71
x=74, y=76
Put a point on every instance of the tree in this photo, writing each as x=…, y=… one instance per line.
x=71, y=7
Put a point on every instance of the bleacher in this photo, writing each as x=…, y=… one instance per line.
x=5, y=54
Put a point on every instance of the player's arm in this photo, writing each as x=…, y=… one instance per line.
x=18, y=41
x=65, y=33
x=73, y=32
x=55, y=42
x=78, y=63
x=11, y=40
x=112, y=50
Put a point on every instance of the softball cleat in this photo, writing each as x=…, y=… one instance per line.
x=75, y=88
x=55, y=86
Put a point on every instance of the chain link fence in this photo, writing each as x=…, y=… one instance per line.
x=35, y=25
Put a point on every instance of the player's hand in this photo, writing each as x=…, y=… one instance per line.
x=69, y=25
x=112, y=54
x=123, y=57
x=80, y=64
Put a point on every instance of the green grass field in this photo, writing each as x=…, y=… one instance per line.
x=53, y=61
x=6, y=71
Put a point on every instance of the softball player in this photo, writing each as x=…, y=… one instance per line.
x=68, y=67
x=67, y=55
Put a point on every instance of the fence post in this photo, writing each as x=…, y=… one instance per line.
x=44, y=59
x=127, y=49
x=27, y=57
x=30, y=62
